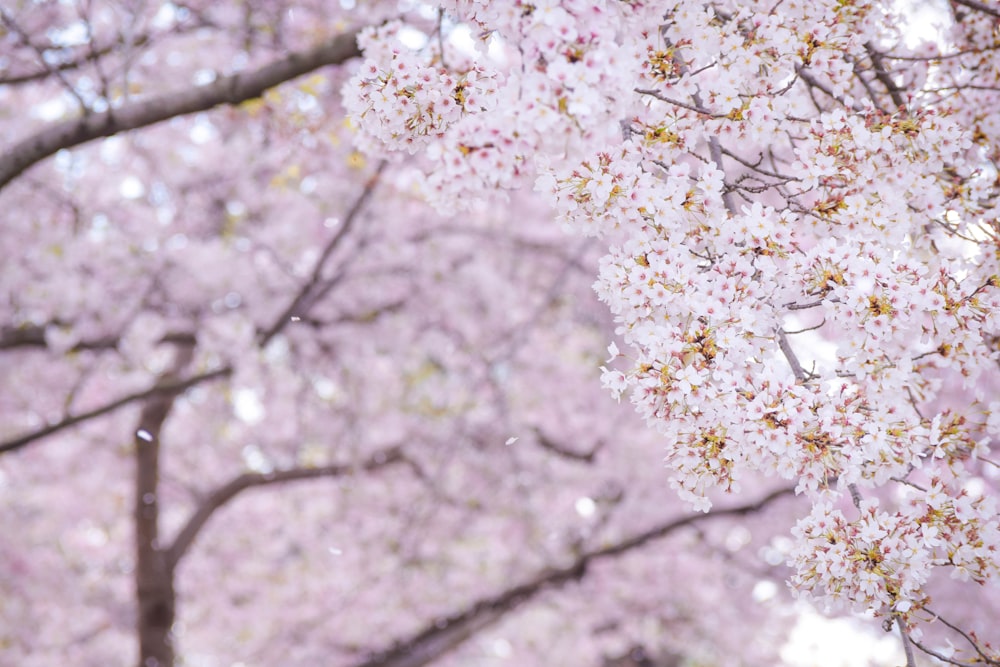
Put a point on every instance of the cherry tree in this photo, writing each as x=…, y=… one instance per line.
x=710, y=271
x=263, y=406
x=314, y=250
x=800, y=202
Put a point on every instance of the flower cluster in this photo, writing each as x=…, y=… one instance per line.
x=881, y=560
x=405, y=101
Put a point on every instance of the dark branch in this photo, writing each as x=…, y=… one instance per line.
x=812, y=82
x=756, y=166
x=978, y=6
x=551, y=445
x=884, y=77
x=233, y=89
x=665, y=529
x=154, y=590
x=26, y=39
x=445, y=634
x=983, y=658
x=793, y=360
x=34, y=336
x=697, y=108
x=300, y=304
x=222, y=495
x=911, y=660
x=975, y=662
x=172, y=387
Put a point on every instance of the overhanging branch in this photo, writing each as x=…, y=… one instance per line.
x=233, y=89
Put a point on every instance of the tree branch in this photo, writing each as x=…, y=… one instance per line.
x=793, y=360
x=978, y=6
x=233, y=89
x=697, y=107
x=90, y=56
x=983, y=657
x=813, y=82
x=545, y=442
x=12, y=25
x=298, y=305
x=975, y=662
x=222, y=495
x=884, y=77
x=911, y=660
x=443, y=635
x=757, y=168
x=170, y=387
x=34, y=336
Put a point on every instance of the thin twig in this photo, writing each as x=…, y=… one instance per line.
x=985, y=658
x=294, y=308
x=52, y=71
x=677, y=103
x=882, y=74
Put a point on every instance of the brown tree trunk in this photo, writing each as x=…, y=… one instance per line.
x=154, y=576
x=153, y=579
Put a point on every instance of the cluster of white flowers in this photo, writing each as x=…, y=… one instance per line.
x=404, y=100
x=882, y=559
x=799, y=266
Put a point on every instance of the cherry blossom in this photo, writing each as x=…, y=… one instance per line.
x=785, y=174
x=386, y=245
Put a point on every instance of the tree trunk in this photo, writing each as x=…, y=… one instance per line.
x=153, y=579
x=154, y=575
